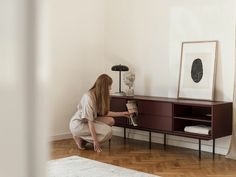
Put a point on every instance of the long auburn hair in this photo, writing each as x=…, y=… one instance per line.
x=101, y=91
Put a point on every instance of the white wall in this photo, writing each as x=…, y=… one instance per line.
x=146, y=35
x=205, y=20
x=136, y=34
x=77, y=55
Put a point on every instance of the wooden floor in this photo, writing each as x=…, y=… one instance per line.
x=172, y=162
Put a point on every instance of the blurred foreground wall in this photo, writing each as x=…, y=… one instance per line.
x=22, y=88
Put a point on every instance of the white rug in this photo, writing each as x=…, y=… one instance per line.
x=76, y=166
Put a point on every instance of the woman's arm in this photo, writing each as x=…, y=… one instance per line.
x=96, y=144
x=118, y=114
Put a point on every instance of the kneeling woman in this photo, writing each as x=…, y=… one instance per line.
x=92, y=122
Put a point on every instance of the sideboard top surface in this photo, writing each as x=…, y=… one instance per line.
x=172, y=100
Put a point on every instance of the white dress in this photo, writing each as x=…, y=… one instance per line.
x=79, y=122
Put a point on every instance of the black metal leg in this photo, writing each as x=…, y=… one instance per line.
x=119, y=81
x=164, y=141
x=199, y=150
x=150, y=140
x=124, y=134
x=213, y=154
x=109, y=144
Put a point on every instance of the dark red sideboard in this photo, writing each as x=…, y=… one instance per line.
x=171, y=116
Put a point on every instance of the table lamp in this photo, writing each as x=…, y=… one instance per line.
x=119, y=68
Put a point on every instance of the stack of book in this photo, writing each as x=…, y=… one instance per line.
x=199, y=129
x=133, y=110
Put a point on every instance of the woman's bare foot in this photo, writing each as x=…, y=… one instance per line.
x=79, y=142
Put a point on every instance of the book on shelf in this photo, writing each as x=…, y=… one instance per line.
x=133, y=110
x=199, y=129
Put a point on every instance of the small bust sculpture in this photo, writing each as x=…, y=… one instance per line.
x=128, y=79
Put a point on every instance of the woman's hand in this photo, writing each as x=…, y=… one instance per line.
x=96, y=146
x=125, y=114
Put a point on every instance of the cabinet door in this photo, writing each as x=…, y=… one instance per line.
x=118, y=105
x=155, y=122
x=155, y=115
x=155, y=108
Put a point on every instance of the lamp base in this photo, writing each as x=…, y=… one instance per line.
x=119, y=94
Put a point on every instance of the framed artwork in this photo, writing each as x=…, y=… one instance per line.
x=197, y=70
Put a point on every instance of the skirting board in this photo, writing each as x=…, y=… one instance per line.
x=221, y=146
x=60, y=137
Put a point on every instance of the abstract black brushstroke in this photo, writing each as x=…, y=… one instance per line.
x=197, y=70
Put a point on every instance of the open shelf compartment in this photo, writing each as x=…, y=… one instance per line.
x=190, y=112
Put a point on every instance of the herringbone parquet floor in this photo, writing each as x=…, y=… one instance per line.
x=172, y=162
